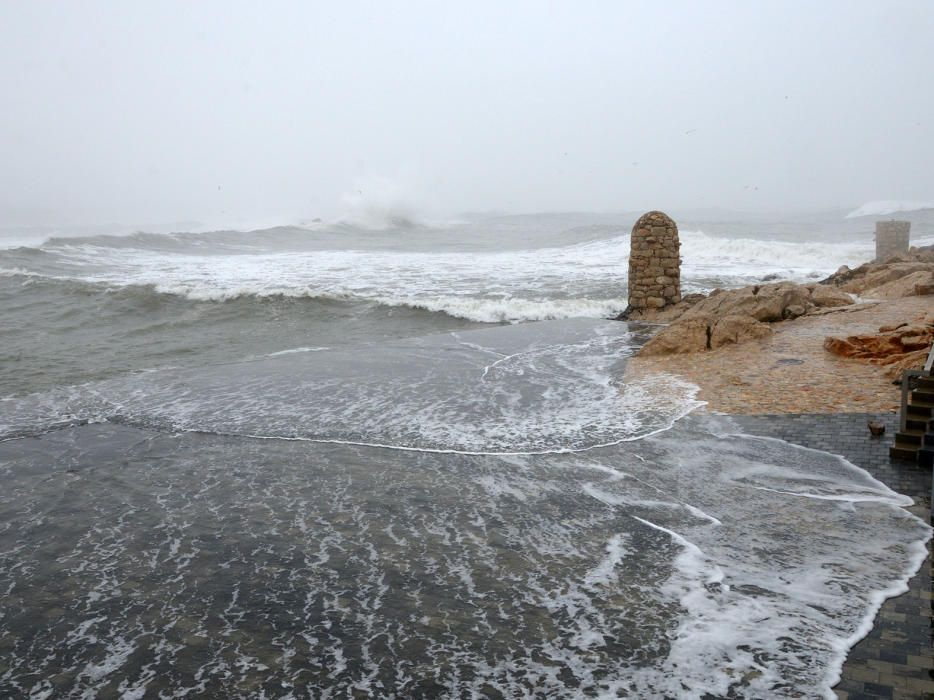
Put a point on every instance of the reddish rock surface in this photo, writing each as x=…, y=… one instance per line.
x=789, y=371
x=903, y=347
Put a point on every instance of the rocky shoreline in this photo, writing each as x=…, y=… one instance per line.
x=781, y=347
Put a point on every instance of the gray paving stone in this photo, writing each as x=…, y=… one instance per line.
x=898, y=650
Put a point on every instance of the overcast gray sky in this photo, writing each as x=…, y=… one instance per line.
x=225, y=111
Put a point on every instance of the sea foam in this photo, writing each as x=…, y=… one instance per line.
x=535, y=388
x=888, y=206
x=585, y=279
x=511, y=516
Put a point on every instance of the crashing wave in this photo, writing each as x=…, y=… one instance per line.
x=888, y=206
x=585, y=279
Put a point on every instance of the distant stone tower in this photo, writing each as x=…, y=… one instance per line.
x=891, y=238
x=654, y=263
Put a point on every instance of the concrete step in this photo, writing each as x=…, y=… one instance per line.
x=909, y=437
x=912, y=424
x=928, y=440
x=919, y=411
x=926, y=383
x=926, y=457
x=909, y=453
x=925, y=396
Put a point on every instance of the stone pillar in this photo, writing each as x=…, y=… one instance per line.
x=654, y=263
x=891, y=238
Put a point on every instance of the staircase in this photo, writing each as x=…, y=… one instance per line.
x=915, y=441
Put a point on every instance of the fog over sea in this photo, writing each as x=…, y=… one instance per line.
x=392, y=456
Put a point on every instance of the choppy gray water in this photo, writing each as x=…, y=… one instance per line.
x=280, y=465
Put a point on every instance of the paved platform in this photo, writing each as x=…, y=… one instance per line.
x=896, y=659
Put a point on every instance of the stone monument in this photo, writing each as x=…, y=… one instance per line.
x=654, y=263
x=891, y=239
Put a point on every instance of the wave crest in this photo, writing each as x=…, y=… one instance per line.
x=888, y=206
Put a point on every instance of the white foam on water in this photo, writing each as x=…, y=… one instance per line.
x=790, y=579
x=292, y=351
x=814, y=485
x=551, y=389
x=605, y=571
x=604, y=539
x=403, y=573
x=703, y=254
x=888, y=206
x=584, y=280
x=511, y=310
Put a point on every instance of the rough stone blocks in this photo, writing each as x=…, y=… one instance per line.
x=654, y=262
x=891, y=238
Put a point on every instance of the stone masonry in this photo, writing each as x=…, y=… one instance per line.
x=654, y=263
x=891, y=239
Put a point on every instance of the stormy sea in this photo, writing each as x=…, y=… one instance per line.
x=392, y=457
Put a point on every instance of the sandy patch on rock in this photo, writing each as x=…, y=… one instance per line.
x=789, y=371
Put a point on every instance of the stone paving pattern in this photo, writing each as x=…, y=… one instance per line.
x=896, y=659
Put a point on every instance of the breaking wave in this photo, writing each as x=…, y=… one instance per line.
x=888, y=206
x=584, y=279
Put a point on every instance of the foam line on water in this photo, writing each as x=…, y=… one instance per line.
x=616, y=552
x=550, y=390
x=536, y=586
x=292, y=351
x=890, y=496
x=846, y=497
x=642, y=502
x=693, y=554
x=899, y=586
x=437, y=450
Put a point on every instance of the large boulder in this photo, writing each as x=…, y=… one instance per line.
x=735, y=329
x=903, y=286
x=823, y=295
x=899, y=276
x=737, y=316
x=766, y=303
x=685, y=335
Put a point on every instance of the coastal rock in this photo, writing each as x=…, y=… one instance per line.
x=766, y=303
x=898, y=347
x=823, y=295
x=894, y=278
x=736, y=316
x=902, y=285
x=737, y=329
x=688, y=335
x=892, y=327
x=666, y=315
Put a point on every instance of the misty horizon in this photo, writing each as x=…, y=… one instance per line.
x=142, y=114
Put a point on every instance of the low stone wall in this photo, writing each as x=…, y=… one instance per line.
x=654, y=263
